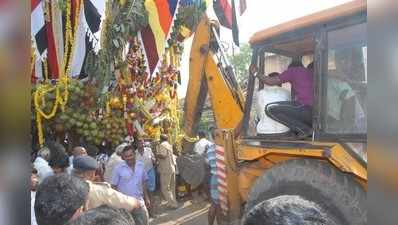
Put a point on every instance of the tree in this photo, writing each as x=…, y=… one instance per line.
x=241, y=62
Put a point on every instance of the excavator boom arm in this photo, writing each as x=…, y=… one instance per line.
x=208, y=76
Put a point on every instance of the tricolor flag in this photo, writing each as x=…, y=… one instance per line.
x=43, y=37
x=160, y=16
x=48, y=34
x=89, y=21
x=37, y=27
x=226, y=15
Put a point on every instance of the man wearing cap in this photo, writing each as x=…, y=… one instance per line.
x=100, y=192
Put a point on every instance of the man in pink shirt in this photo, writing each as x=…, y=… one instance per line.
x=295, y=114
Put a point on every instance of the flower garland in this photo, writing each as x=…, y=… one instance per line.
x=39, y=102
x=39, y=95
x=78, y=8
x=68, y=34
x=32, y=59
x=42, y=90
x=45, y=70
x=39, y=130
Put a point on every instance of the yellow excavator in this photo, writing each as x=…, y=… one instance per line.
x=327, y=170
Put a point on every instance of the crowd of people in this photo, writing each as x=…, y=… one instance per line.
x=78, y=187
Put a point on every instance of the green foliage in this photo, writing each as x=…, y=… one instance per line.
x=206, y=123
x=189, y=17
x=120, y=25
x=241, y=62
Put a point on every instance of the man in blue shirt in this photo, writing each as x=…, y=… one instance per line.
x=130, y=178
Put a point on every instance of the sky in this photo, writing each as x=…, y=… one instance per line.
x=260, y=14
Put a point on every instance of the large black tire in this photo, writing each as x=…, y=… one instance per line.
x=330, y=192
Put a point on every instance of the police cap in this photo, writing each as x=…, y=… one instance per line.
x=85, y=163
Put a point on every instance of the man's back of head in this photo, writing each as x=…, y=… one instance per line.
x=59, y=198
x=104, y=215
x=44, y=153
x=59, y=162
x=79, y=151
x=163, y=137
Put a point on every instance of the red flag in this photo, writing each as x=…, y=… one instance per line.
x=223, y=11
x=51, y=49
x=226, y=15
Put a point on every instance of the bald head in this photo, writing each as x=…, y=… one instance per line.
x=79, y=151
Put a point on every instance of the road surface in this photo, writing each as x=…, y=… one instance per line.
x=189, y=213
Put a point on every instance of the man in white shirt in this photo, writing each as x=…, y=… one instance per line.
x=113, y=161
x=201, y=145
x=145, y=155
x=269, y=94
x=200, y=148
x=41, y=164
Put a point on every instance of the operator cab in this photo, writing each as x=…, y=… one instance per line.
x=333, y=44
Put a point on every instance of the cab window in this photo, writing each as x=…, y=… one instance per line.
x=259, y=124
x=346, y=81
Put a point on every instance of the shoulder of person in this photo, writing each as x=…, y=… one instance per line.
x=165, y=144
x=120, y=165
x=102, y=184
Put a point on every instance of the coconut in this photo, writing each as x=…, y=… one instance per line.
x=93, y=125
x=63, y=117
x=101, y=135
x=72, y=121
x=94, y=132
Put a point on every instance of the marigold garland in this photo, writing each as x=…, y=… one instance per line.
x=42, y=90
x=32, y=59
x=68, y=34
x=78, y=8
x=45, y=70
x=39, y=102
x=39, y=130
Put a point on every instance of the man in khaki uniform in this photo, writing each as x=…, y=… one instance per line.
x=167, y=171
x=100, y=192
